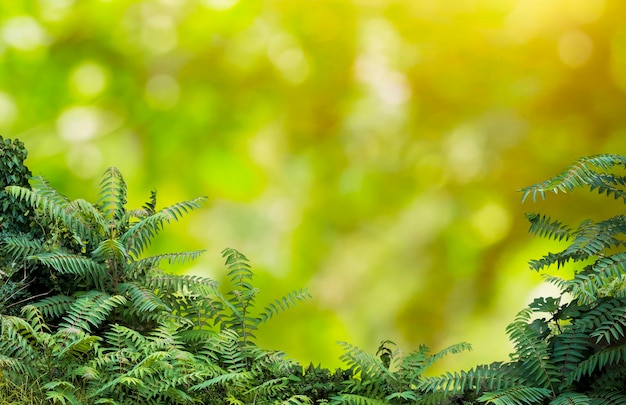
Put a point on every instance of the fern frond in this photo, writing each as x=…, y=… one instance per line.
x=544, y=226
x=278, y=306
x=34, y=317
x=238, y=269
x=149, y=206
x=518, y=395
x=171, y=258
x=173, y=283
x=18, y=333
x=111, y=250
x=364, y=364
x=43, y=188
x=62, y=392
x=603, y=311
x=91, y=217
x=242, y=293
x=403, y=396
x=597, y=361
x=531, y=351
x=92, y=308
x=21, y=246
x=55, y=306
x=56, y=209
x=242, y=377
x=589, y=285
x=571, y=398
x=229, y=350
x=78, y=347
x=568, y=350
x=590, y=239
x=413, y=364
x=609, y=398
x=139, y=235
x=119, y=336
x=493, y=377
x=112, y=199
x=66, y=263
x=453, y=349
x=270, y=388
x=144, y=300
x=611, y=329
x=581, y=173
x=353, y=399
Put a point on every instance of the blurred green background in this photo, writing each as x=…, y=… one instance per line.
x=369, y=150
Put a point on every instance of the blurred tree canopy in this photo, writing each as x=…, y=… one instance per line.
x=368, y=149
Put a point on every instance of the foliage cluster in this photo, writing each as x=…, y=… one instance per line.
x=114, y=328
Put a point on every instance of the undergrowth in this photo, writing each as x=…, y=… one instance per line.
x=86, y=318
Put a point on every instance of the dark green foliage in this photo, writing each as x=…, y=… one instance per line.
x=123, y=331
x=15, y=220
x=113, y=328
x=570, y=349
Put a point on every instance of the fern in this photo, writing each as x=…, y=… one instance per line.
x=353, y=399
x=586, y=171
x=571, y=398
x=281, y=305
x=598, y=361
x=139, y=235
x=364, y=364
x=91, y=271
x=92, y=308
x=493, y=377
x=518, y=395
x=544, y=226
x=531, y=351
x=113, y=199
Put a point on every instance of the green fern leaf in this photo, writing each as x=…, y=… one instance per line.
x=268, y=389
x=230, y=351
x=531, y=351
x=171, y=259
x=34, y=317
x=54, y=307
x=61, y=392
x=369, y=367
x=597, y=361
x=111, y=251
x=289, y=300
x=55, y=209
x=493, y=377
x=609, y=398
x=242, y=377
x=21, y=246
x=518, y=395
x=453, y=349
x=113, y=199
x=139, y=235
x=78, y=347
x=544, y=226
x=172, y=283
x=571, y=398
x=92, y=308
x=144, y=300
x=65, y=263
x=43, y=188
x=581, y=173
x=353, y=399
